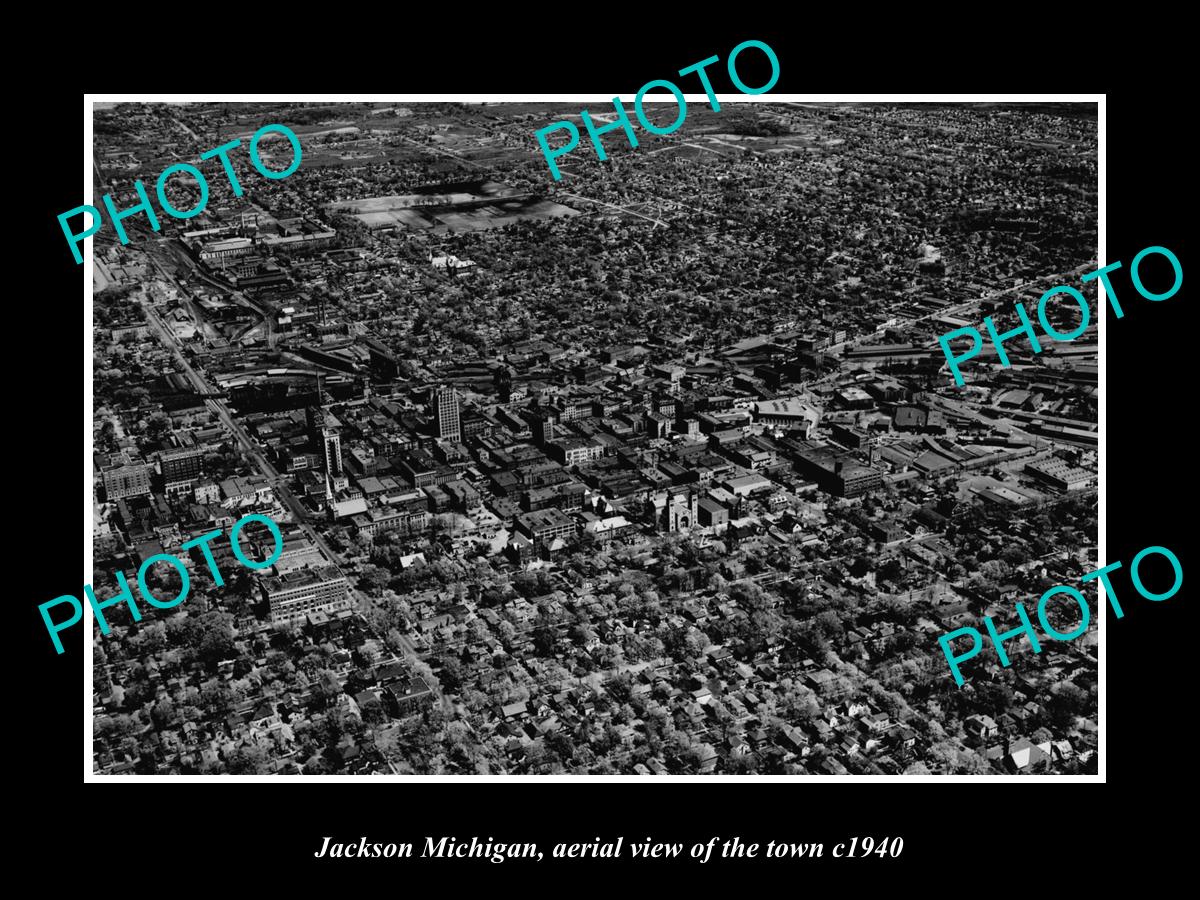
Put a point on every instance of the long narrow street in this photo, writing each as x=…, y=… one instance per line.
x=278, y=484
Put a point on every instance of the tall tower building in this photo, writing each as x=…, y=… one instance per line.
x=326, y=438
x=331, y=451
x=543, y=432
x=446, y=415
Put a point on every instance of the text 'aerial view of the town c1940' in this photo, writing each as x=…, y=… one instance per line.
x=656, y=469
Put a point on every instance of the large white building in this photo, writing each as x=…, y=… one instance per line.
x=446, y=415
x=294, y=595
x=789, y=414
x=226, y=249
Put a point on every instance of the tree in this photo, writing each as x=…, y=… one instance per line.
x=508, y=631
x=216, y=637
x=105, y=439
x=830, y=624
x=394, y=640
x=327, y=687
x=373, y=712
x=247, y=760
x=994, y=571
x=366, y=656
x=158, y=427
x=163, y=713
x=890, y=569
x=374, y=579
x=318, y=765
x=1067, y=701
x=545, y=639
x=1012, y=556
x=694, y=643
x=452, y=672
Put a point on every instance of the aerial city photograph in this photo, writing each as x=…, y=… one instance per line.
x=656, y=468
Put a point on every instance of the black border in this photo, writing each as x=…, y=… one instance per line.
x=949, y=835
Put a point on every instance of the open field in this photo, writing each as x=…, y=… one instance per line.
x=469, y=206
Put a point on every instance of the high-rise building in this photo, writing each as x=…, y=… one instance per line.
x=124, y=477
x=446, y=415
x=326, y=438
x=331, y=451
x=181, y=465
x=543, y=433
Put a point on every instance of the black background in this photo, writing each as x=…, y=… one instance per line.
x=967, y=834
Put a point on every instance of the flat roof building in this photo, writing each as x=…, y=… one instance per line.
x=124, y=477
x=226, y=249
x=834, y=473
x=294, y=595
x=788, y=413
x=1060, y=474
x=546, y=524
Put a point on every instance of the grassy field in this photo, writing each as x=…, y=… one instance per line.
x=469, y=206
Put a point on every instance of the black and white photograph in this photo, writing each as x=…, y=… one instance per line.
x=484, y=437
x=550, y=449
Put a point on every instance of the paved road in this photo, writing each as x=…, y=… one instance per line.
x=264, y=310
x=248, y=445
x=966, y=304
x=251, y=449
x=624, y=209
x=1062, y=278
x=433, y=148
x=182, y=124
